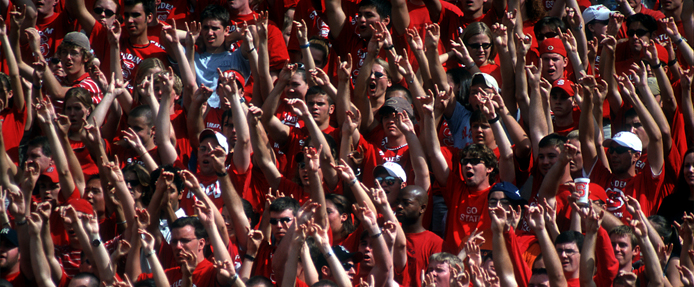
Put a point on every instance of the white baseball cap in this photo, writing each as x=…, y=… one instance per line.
x=626, y=139
x=392, y=169
x=596, y=12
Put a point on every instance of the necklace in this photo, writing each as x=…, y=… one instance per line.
x=396, y=148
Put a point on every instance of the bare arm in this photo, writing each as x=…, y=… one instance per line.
x=166, y=149
x=502, y=259
x=549, y=253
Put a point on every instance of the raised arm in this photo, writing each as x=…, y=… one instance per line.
x=507, y=169
x=502, y=260
x=607, y=69
x=522, y=82
x=158, y=274
x=650, y=102
x=650, y=257
x=417, y=156
x=549, y=253
x=361, y=98
x=335, y=17
x=538, y=126
x=399, y=251
x=312, y=157
x=46, y=116
x=166, y=149
x=231, y=198
x=439, y=165
x=206, y=213
x=278, y=131
x=383, y=261
x=588, y=262
x=687, y=107
x=262, y=151
x=37, y=256
x=555, y=175
x=179, y=54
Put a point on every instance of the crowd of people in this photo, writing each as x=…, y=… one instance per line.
x=340, y=143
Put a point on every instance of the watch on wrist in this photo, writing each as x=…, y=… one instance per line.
x=96, y=242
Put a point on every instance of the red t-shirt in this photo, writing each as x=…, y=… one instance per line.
x=565, y=130
x=277, y=48
x=375, y=155
x=52, y=30
x=467, y=210
x=88, y=164
x=204, y=275
x=419, y=247
x=18, y=279
x=263, y=261
x=179, y=10
x=645, y=187
x=624, y=56
x=13, y=123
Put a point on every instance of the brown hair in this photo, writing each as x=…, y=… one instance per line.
x=477, y=28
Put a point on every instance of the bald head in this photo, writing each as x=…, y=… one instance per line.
x=416, y=192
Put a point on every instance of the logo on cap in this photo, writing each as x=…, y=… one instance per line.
x=550, y=48
x=50, y=169
x=5, y=231
x=560, y=82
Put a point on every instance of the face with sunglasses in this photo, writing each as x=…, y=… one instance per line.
x=635, y=32
x=105, y=10
x=621, y=158
x=133, y=184
x=378, y=81
x=479, y=46
x=280, y=222
x=475, y=171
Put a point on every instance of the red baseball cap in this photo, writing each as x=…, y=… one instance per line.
x=565, y=85
x=239, y=77
x=81, y=205
x=51, y=173
x=552, y=45
x=596, y=192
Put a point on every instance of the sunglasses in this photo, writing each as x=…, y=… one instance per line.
x=378, y=75
x=476, y=46
x=638, y=32
x=55, y=61
x=547, y=35
x=618, y=150
x=301, y=165
x=106, y=12
x=630, y=126
x=133, y=183
x=274, y=221
x=472, y=161
x=386, y=181
x=347, y=266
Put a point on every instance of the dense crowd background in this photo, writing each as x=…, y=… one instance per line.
x=339, y=143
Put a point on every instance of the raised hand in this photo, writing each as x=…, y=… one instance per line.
x=193, y=29
x=170, y=32
x=90, y=223
x=651, y=54
x=115, y=174
x=344, y=171
x=686, y=276
x=34, y=222
x=377, y=38
x=114, y=33
x=534, y=74
x=668, y=23
x=614, y=24
x=299, y=107
x=609, y=43
x=122, y=250
x=345, y=68
x=205, y=213
x=498, y=217
x=313, y=157
x=523, y=44
x=403, y=64
x=433, y=34
x=404, y=123
x=536, y=219
x=18, y=14
x=414, y=40
x=255, y=237
x=319, y=77
x=499, y=35
x=461, y=52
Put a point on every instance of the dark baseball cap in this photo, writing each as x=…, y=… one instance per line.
x=510, y=191
x=342, y=255
x=398, y=105
x=10, y=235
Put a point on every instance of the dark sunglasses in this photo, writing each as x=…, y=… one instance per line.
x=274, y=221
x=347, y=266
x=630, y=126
x=476, y=46
x=378, y=75
x=133, y=183
x=388, y=180
x=107, y=12
x=639, y=32
x=547, y=35
x=618, y=150
x=301, y=165
x=472, y=161
x=55, y=61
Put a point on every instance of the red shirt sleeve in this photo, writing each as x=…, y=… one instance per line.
x=521, y=271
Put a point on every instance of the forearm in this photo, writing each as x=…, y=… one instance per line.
x=439, y=165
x=290, y=268
x=234, y=205
x=167, y=151
x=438, y=74
x=688, y=112
x=507, y=169
x=361, y=99
x=651, y=262
x=61, y=164
x=39, y=263
x=73, y=164
x=242, y=147
x=552, y=261
x=502, y=261
x=418, y=161
x=588, y=259
x=522, y=98
x=160, y=279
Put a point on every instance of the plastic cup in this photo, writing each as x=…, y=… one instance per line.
x=582, y=189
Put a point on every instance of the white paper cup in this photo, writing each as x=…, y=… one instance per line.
x=582, y=189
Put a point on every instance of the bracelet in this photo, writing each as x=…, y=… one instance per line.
x=233, y=279
x=329, y=253
x=221, y=174
x=249, y=257
x=150, y=254
x=122, y=222
x=304, y=46
x=376, y=235
x=672, y=63
x=38, y=87
x=391, y=47
x=494, y=120
x=20, y=223
x=656, y=65
x=353, y=181
x=470, y=66
x=251, y=50
x=678, y=41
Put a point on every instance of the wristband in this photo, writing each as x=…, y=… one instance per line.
x=656, y=65
x=470, y=66
x=678, y=41
x=304, y=46
x=221, y=174
x=122, y=222
x=233, y=279
x=391, y=47
x=672, y=63
x=494, y=120
x=251, y=50
x=353, y=181
x=20, y=223
x=149, y=254
x=249, y=257
x=38, y=87
x=329, y=253
x=376, y=235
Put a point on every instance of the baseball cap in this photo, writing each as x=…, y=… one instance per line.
x=398, y=105
x=485, y=79
x=509, y=190
x=10, y=235
x=552, y=45
x=653, y=85
x=565, y=85
x=596, y=192
x=221, y=139
x=341, y=254
x=51, y=173
x=393, y=169
x=77, y=38
x=625, y=139
x=239, y=77
x=596, y=12
x=81, y=205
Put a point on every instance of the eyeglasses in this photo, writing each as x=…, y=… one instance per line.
x=638, y=32
x=634, y=126
x=568, y=252
x=493, y=202
x=476, y=46
x=389, y=180
x=55, y=61
x=618, y=150
x=377, y=75
x=133, y=183
x=274, y=221
x=348, y=266
x=106, y=12
x=472, y=161
x=547, y=35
